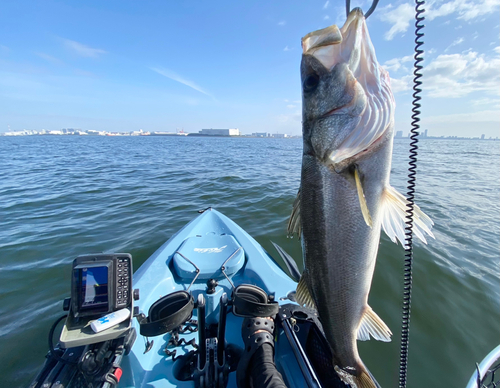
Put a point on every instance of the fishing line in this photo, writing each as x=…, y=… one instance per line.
x=412, y=172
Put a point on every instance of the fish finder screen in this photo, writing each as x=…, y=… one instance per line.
x=94, y=287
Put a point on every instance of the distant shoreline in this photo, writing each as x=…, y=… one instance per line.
x=228, y=136
x=448, y=138
x=151, y=135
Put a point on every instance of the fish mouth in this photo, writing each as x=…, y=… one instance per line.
x=351, y=45
x=332, y=45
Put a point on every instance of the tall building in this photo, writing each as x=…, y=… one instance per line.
x=399, y=134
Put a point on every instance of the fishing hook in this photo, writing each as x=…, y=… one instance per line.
x=368, y=13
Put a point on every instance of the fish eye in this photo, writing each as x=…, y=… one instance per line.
x=311, y=82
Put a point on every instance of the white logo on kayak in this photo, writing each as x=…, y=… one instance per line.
x=210, y=250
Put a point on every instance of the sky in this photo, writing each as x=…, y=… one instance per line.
x=165, y=65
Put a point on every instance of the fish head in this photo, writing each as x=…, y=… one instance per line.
x=347, y=103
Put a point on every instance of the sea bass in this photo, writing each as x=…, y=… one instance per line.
x=345, y=197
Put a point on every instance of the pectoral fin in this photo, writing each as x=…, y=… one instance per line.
x=371, y=324
x=394, y=216
x=362, y=200
x=303, y=296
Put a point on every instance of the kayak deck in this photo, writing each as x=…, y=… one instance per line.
x=216, y=238
x=208, y=260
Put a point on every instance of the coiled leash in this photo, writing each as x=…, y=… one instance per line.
x=412, y=172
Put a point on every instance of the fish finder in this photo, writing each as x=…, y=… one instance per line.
x=101, y=284
x=101, y=304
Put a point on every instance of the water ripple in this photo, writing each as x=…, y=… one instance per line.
x=64, y=196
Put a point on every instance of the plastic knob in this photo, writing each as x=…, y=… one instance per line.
x=211, y=285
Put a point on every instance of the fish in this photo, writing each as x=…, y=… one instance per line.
x=345, y=197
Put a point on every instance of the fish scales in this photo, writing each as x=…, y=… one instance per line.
x=339, y=250
x=345, y=197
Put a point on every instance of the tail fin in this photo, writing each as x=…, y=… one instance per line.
x=364, y=380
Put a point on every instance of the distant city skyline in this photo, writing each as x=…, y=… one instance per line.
x=123, y=66
x=228, y=132
x=212, y=132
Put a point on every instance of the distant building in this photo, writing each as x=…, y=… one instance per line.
x=220, y=132
x=279, y=135
x=260, y=134
x=399, y=134
x=482, y=137
x=425, y=133
x=95, y=133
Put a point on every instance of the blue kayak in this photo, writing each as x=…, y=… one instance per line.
x=212, y=288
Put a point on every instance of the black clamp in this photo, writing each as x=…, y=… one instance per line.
x=166, y=314
x=253, y=301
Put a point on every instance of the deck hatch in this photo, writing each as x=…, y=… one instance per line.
x=208, y=253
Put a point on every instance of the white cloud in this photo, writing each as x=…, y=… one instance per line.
x=50, y=58
x=287, y=48
x=456, y=42
x=466, y=9
x=457, y=75
x=291, y=106
x=326, y=17
x=173, y=76
x=401, y=84
x=397, y=63
x=326, y=4
x=399, y=17
x=81, y=49
x=494, y=102
x=282, y=23
x=452, y=75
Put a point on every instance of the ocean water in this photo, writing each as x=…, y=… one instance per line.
x=62, y=196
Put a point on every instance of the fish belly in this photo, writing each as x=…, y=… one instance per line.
x=339, y=253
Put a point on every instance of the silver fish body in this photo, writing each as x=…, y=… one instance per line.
x=345, y=197
x=339, y=248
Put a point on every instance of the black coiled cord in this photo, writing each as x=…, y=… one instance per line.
x=412, y=172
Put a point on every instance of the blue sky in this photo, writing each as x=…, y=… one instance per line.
x=163, y=65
